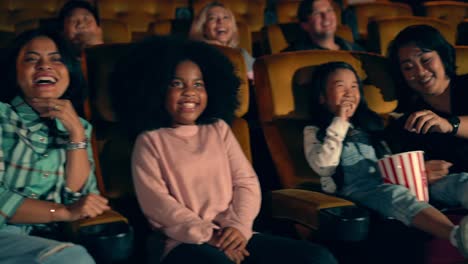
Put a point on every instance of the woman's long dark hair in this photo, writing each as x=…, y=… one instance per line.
x=76, y=90
x=363, y=118
x=141, y=79
x=427, y=39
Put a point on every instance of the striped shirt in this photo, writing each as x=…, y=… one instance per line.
x=33, y=159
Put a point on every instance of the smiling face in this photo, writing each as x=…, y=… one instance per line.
x=81, y=28
x=40, y=71
x=321, y=22
x=186, y=97
x=219, y=26
x=423, y=71
x=342, y=85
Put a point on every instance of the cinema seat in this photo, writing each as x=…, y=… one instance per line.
x=182, y=28
x=286, y=11
x=365, y=12
x=281, y=94
x=137, y=15
x=452, y=12
x=384, y=30
x=15, y=11
x=249, y=11
x=277, y=37
x=462, y=59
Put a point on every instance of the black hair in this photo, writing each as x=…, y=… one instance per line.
x=304, y=10
x=76, y=90
x=71, y=5
x=427, y=39
x=141, y=79
x=363, y=118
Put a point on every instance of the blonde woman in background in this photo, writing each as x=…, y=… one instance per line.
x=216, y=24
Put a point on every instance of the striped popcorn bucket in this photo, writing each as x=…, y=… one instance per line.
x=406, y=169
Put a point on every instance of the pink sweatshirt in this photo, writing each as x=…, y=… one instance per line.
x=190, y=180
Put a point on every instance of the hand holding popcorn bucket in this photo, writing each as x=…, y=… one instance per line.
x=406, y=169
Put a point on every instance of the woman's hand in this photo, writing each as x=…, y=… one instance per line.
x=436, y=170
x=426, y=121
x=64, y=111
x=88, y=206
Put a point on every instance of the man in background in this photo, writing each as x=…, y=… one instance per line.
x=81, y=24
x=317, y=18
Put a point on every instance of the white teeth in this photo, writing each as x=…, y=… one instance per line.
x=426, y=80
x=45, y=79
x=189, y=105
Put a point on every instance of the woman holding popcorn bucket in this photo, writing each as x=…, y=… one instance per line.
x=341, y=148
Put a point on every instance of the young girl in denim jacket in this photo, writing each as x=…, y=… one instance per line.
x=192, y=179
x=340, y=149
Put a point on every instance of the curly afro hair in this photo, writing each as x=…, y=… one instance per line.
x=141, y=79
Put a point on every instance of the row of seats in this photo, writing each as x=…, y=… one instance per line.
x=139, y=16
x=280, y=91
x=275, y=37
x=377, y=22
x=282, y=101
x=112, y=149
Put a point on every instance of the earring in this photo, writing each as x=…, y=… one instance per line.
x=412, y=78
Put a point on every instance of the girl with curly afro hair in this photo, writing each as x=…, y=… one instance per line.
x=192, y=180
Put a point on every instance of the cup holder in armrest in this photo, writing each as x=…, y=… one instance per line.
x=346, y=223
x=109, y=242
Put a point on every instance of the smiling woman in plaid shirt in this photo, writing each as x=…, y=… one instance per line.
x=46, y=165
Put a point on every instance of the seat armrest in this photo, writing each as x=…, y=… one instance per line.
x=108, y=237
x=107, y=217
x=322, y=213
x=302, y=206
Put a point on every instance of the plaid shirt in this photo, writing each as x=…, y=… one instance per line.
x=33, y=159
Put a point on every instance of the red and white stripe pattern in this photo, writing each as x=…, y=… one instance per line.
x=406, y=169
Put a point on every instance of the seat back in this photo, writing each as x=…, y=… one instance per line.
x=286, y=11
x=137, y=15
x=115, y=31
x=282, y=92
x=451, y=11
x=249, y=11
x=462, y=59
x=112, y=149
x=278, y=37
x=170, y=27
x=462, y=32
x=6, y=38
x=182, y=28
x=13, y=12
x=383, y=30
x=367, y=11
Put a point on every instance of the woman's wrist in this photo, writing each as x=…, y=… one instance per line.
x=74, y=145
x=58, y=213
x=77, y=136
x=455, y=123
